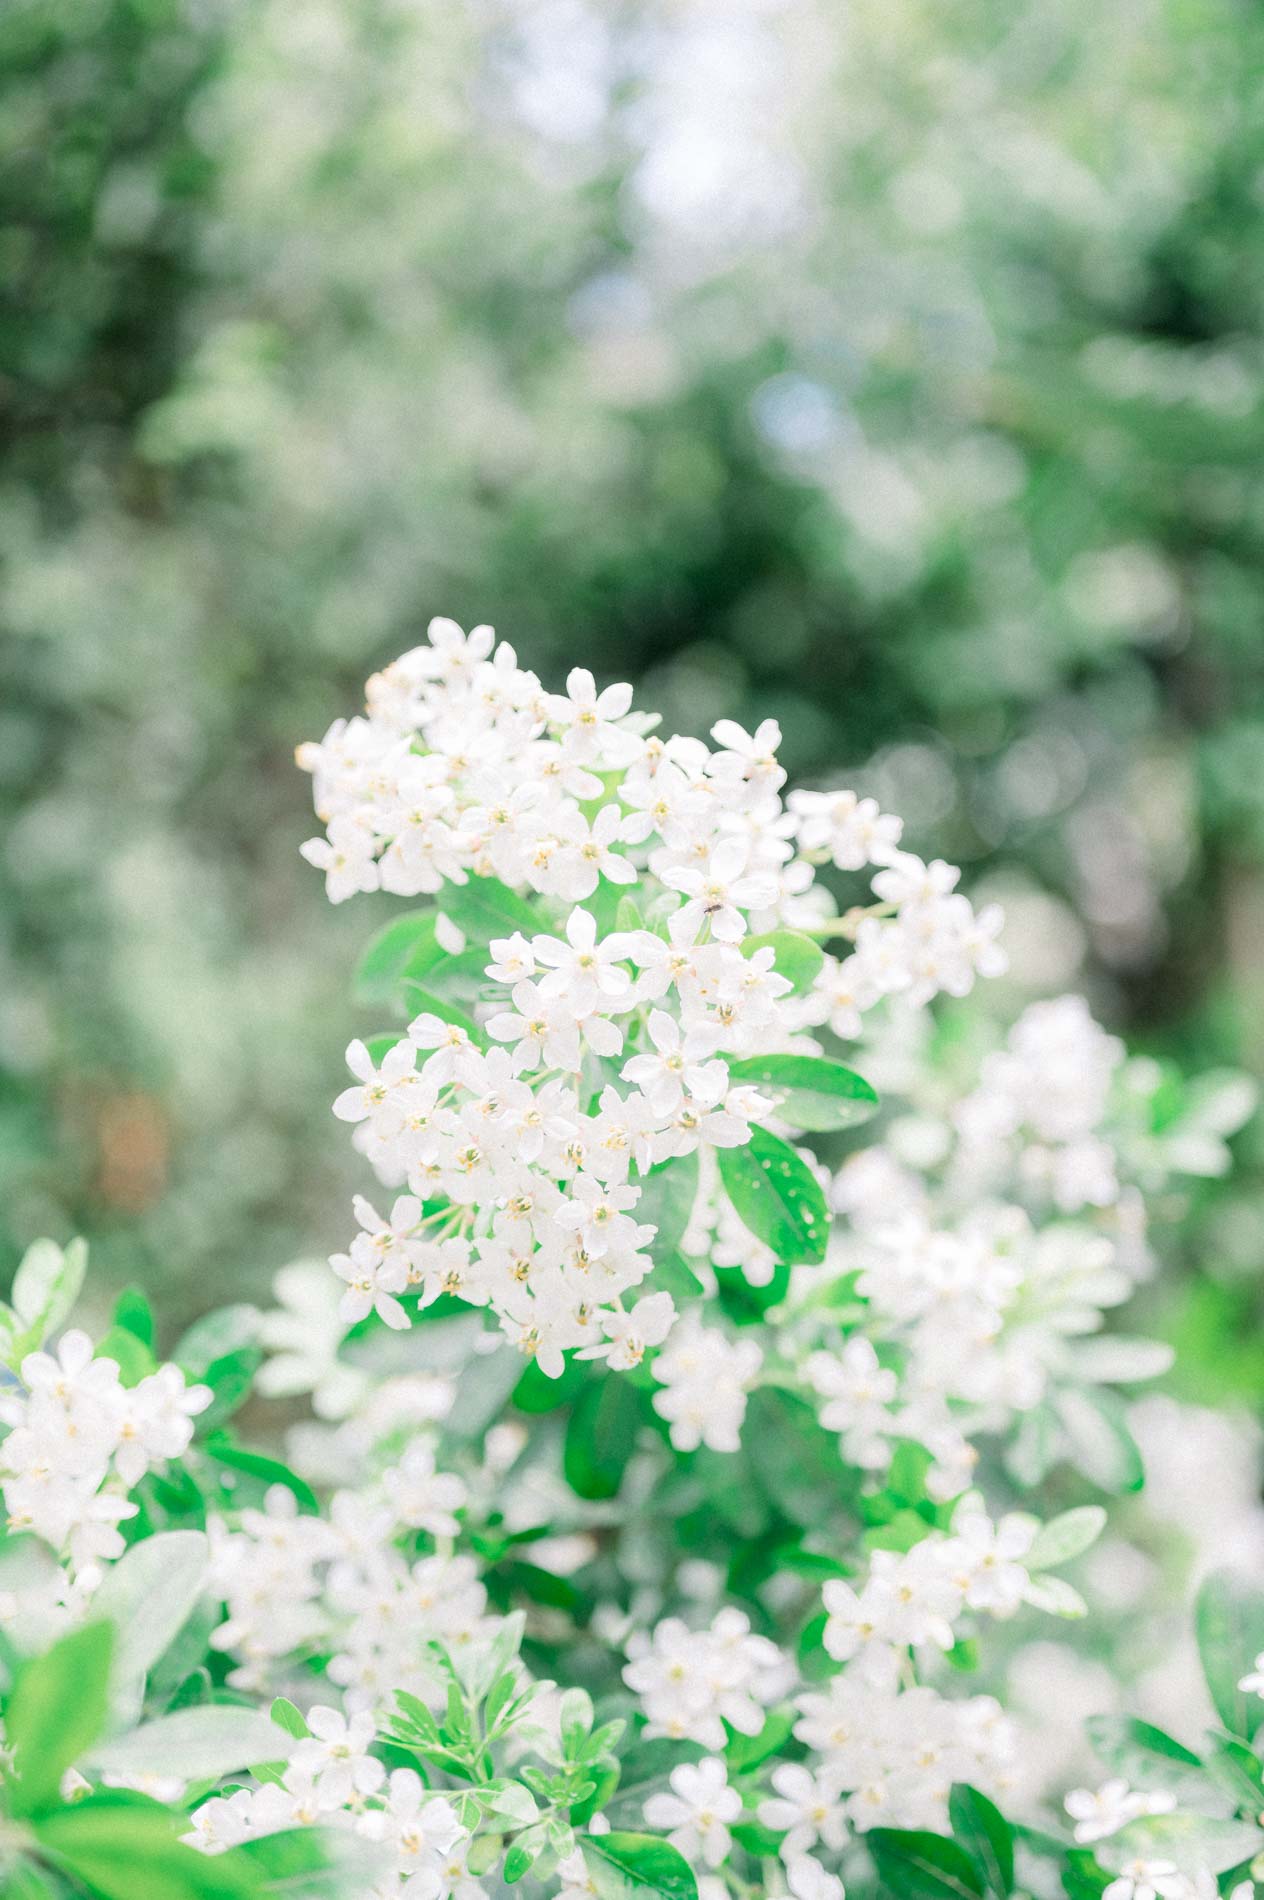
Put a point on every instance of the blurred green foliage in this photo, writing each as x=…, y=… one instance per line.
x=891, y=369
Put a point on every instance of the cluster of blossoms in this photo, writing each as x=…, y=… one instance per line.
x=80, y=1440
x=611, y=1048
x=331, y=1780
x=989, y=1234
x=691, y=1682
x=350, y=1582
x=591, y=1134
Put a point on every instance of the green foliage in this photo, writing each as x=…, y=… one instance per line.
x=638, y=1867
x=809, y=1092
x=987, y=1837
x=921, y=1866
x=55, y=1711
x=1229, y=1624
x=776, y=1195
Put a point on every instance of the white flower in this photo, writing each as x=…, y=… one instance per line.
x=336, y=1755
x=678, y=1063
x=586, y=719
x=704, y=1378
x=583, y=971
x=720, y=892
x=346, y=858
x=422, y=1497
x=1146, y=1879
x=629, y=1335
x=808, y=1880
x=1113, y=1805
x=698, y=1810
x=805, y=1809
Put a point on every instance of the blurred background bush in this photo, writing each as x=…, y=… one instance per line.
x=889, y=368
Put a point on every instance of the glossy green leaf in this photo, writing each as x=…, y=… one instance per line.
x=794, y=956
x=485, y=909
x=1065, y=1537
x=133, y=1312
x=121, y=1851
x=57, y=1709
x=1229, y=1625
x=668, y=1193
x=601, y=1436
x=980, y=1827
x=405, y=947
x=255, y=1464
x=809, y=1091
x=776, y=1195
x=921, y=1866
x=638, y=1867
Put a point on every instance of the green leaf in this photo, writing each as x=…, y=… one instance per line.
x=638, y=1866
x=756, y=1838
x=230, y=1378
x=131, y=1355
x=794, y=1458
x=226, y=1451
x=811, y=1092
x=133, y=1312
x=226, y=1330
x=1144, y=1755
x=919, y=1866
x=194, y=1744
x=1229, y=1625
x=485, y=908
x=123, y=1851
x=1055, y=1596
x=405, y=947
x=1237, y=1769
x=985, y=1834
x=776, y=1196
x=1065, y=1537
x=601, y=1436
x=310, y=1863
x=744, y=1752
x=287, y=1716
x=1100, y=1444
x=794, y=956
x=56, y=1711
x=673, y=1274
x=1034, y=1447
x=25, y=1882
x=148, y=1594
x=45, y=1287
x=668, y=1193
x=1198, y=1843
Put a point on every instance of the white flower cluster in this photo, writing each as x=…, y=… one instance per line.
x=889, y=1760
x=889, y=1750
x=1041, y=1105
x=705, y=1377
x=989, y=1314
x=293, y=1581
x=691, y=1682
x=331, y=1780
x=987, y=1296
x=524, y=1163
x=80, y=1440
x=912, y=1599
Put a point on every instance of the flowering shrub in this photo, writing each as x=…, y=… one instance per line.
x=675, y=1446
